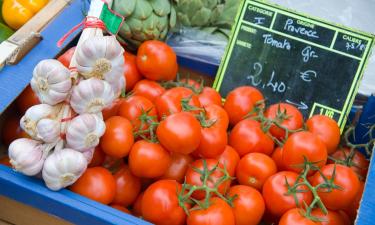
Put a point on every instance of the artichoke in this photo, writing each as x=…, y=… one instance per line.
x=144, y=20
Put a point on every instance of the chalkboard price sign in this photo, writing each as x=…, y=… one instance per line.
x=293, y=58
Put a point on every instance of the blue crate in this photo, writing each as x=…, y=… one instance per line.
x=78, y=209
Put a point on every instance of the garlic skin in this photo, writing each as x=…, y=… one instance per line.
x=91, y=96
x=48, y=130
x=89, y=154
x=33, y=115
x=62, y=168
x=84, y=132
x=101, y=57
x=27, y=156
x=119, y=86
x=51, y=81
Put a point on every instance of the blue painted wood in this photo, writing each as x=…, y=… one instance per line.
x=199, y=66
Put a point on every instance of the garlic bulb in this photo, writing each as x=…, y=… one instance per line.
x=34, y=114
x=84, y=132
x=62, y=168
x=51, y=81
x=101, y=57
x=27, y=156
x=91, y=96
x=118, y=86
x=48, y=130
x=89, y=154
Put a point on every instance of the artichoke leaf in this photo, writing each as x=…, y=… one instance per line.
x=134, y=24
x=163, y=34
x=125, y=31
x=172, y=17
x=161, y=7
x=183, y=19
x=124, y=7
x=216, y=13
x=142, y=10
x=161, y=22
x=201, y=17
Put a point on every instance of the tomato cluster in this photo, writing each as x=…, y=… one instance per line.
x=173, y=153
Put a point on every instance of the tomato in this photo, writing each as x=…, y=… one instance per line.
x=97, y=184
x=275, y=191
x=160, y=204
x=209, y=96
x=98, y=157
x=11, y=130
x=5, y=161
x=277, y=157
x=131, y=72
x=118, y=137
x=254, y=168
x=218, y=213
x=195, y=178
x=121, y=208
x=67, y=57
x=148, y=89
x=217, y=115
x=180, y=133
x=137, y=206
x=294, y=217
x=351, y=210
x=133, y=107
x=249, y=205
x=345, y=178
x=332, y=218
x=241, y=102
x=247, y=136
x=327, y=130
x=229, y=159
x=157, y=61
x=26, y=99
x=191, y=83
x=112, y=163
x=148, y=160
x=303, y=144
x=177, y=168
x=128, y=187
x=171, y=101
x=212, y=143
x=293, y=121
x=359, y=163
x=345, y=218
x=112, y=109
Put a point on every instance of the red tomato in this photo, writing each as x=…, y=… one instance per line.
x=137, y=206
x=351, y=210
x=249, y=205
x=11, y=130
x=191, y=84
x=275, y=191
x=326, y=129
x=97, y=184
x=293, y=118
x=218, y=213
x=5, y=161
x=171, y=101
x=345, y=178
x=131, y=72
x=180, y=133
x=247, y=136
x=294, y=217
x=67, y=57
x=148, y=160
x=359, y=163
x=277, y=157
x=26, y=99
x=128, y=187
x=254, y=169
x=300, y=145
x=332, y=218
x=118, y=137
x=98, y=157
x=157, y=61
x=160, y=204
x=177, y=168
x=121, y=208
x=209, y=96
x=112, y=109
x=229, y=159
x=195, y=178
x=345, y=217
x=133, y=107
x=213, y=142
x=148, y=89
x=217, y=115
x=240, y=102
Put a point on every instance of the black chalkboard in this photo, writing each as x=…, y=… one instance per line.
x=293, y=58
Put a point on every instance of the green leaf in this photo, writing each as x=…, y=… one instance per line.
x=134, y=24
x=163, y=34
x=161, y=22
x=216, y=13
x=125, y=31
x=201, y=17
x=142, y=10
x=173, y=17
x=161, y=7
x=183, y=19
x=124, y=7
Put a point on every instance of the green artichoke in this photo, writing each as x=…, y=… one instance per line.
x=145, y=20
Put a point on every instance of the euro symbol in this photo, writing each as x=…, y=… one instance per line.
x=307, y=75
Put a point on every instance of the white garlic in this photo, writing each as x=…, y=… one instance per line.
x=91, y=96
x=118, y=86
x=84, y=132
x=89, y=154
x=62, y=168
x=34, y=114
x=101, y=57
x=51, y=81
x=27, y=156
x=48, y=130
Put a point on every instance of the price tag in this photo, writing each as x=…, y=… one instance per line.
x=290, y=57
x=111, y=19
